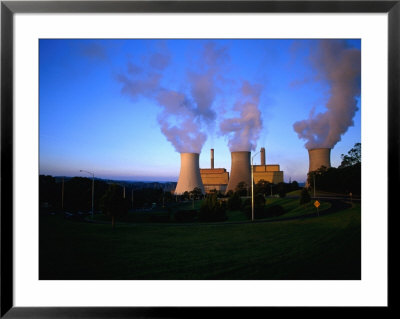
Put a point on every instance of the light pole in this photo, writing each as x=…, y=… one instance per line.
x=92, y=189
x=252, y=187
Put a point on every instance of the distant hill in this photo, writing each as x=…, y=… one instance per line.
x=166, y=186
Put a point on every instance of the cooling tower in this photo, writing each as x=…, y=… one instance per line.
x=189, y=176
x=262, y=155
x=319, y=157
x=240, y=170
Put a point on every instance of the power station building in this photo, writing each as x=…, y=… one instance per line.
x=214, y=178
x=209, y=179
x=220, y=180
x=269, y=173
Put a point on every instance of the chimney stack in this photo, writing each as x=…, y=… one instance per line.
x=212, y=158
x=262, y=155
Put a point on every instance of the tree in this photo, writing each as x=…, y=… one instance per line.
x=185, y=195
x=344, y=179
x=229, y=193
x=282, y=188
x=113, y=203
x=49, y=191
x=196, y=193
x=262, y=187
x=241, y=188
x=294, y=186
x=234, y=201
x=212, y=209
x=259, y=200
x=353, y=157
x=304, y=197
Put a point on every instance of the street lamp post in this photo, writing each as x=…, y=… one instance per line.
x=92, y=189
x=252, y=187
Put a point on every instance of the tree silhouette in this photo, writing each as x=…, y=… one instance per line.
x=113, y=203
x=304, y=197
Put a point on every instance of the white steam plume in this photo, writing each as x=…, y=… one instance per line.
x=243, y=131
x=185, y=115
x=184, y=118
x=340, y=67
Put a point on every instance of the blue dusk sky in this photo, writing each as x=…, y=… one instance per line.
x=124, y=109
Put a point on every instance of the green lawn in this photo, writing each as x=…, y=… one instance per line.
x=293, y=209
x=325, y=247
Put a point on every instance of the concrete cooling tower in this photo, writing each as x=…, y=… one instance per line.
x=189, y=176
x=240, y=170
x=319, y=157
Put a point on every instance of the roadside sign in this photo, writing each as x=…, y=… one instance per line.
x=317, y=203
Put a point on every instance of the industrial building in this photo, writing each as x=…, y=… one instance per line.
x=214, y=178
x=208, y=179
x=269, y=173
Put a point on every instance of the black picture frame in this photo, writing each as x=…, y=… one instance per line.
x=9, y=8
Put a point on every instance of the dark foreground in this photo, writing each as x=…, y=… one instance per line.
x=325, y=248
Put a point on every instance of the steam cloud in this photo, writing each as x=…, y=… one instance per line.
x=340, y=67
x=186, y=114
x=243, y=131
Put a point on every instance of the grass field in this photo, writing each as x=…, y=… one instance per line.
x=324, y=247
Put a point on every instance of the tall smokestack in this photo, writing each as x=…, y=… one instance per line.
x=262, y=155
x=212, y=158
x=319, y=157
x=240, y=170
x=189, y=176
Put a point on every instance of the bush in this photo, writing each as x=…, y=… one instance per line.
x=242, y=188
x=234, y=201
x=212, y=209
x=259, y=206
x=259, y=200
x=185, y=216
x=304, y=197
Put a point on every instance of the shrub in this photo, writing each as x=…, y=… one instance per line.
x=234, y=201
x=212, y=209
x=259, y=200
x=304, y=197
x=242, y=188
